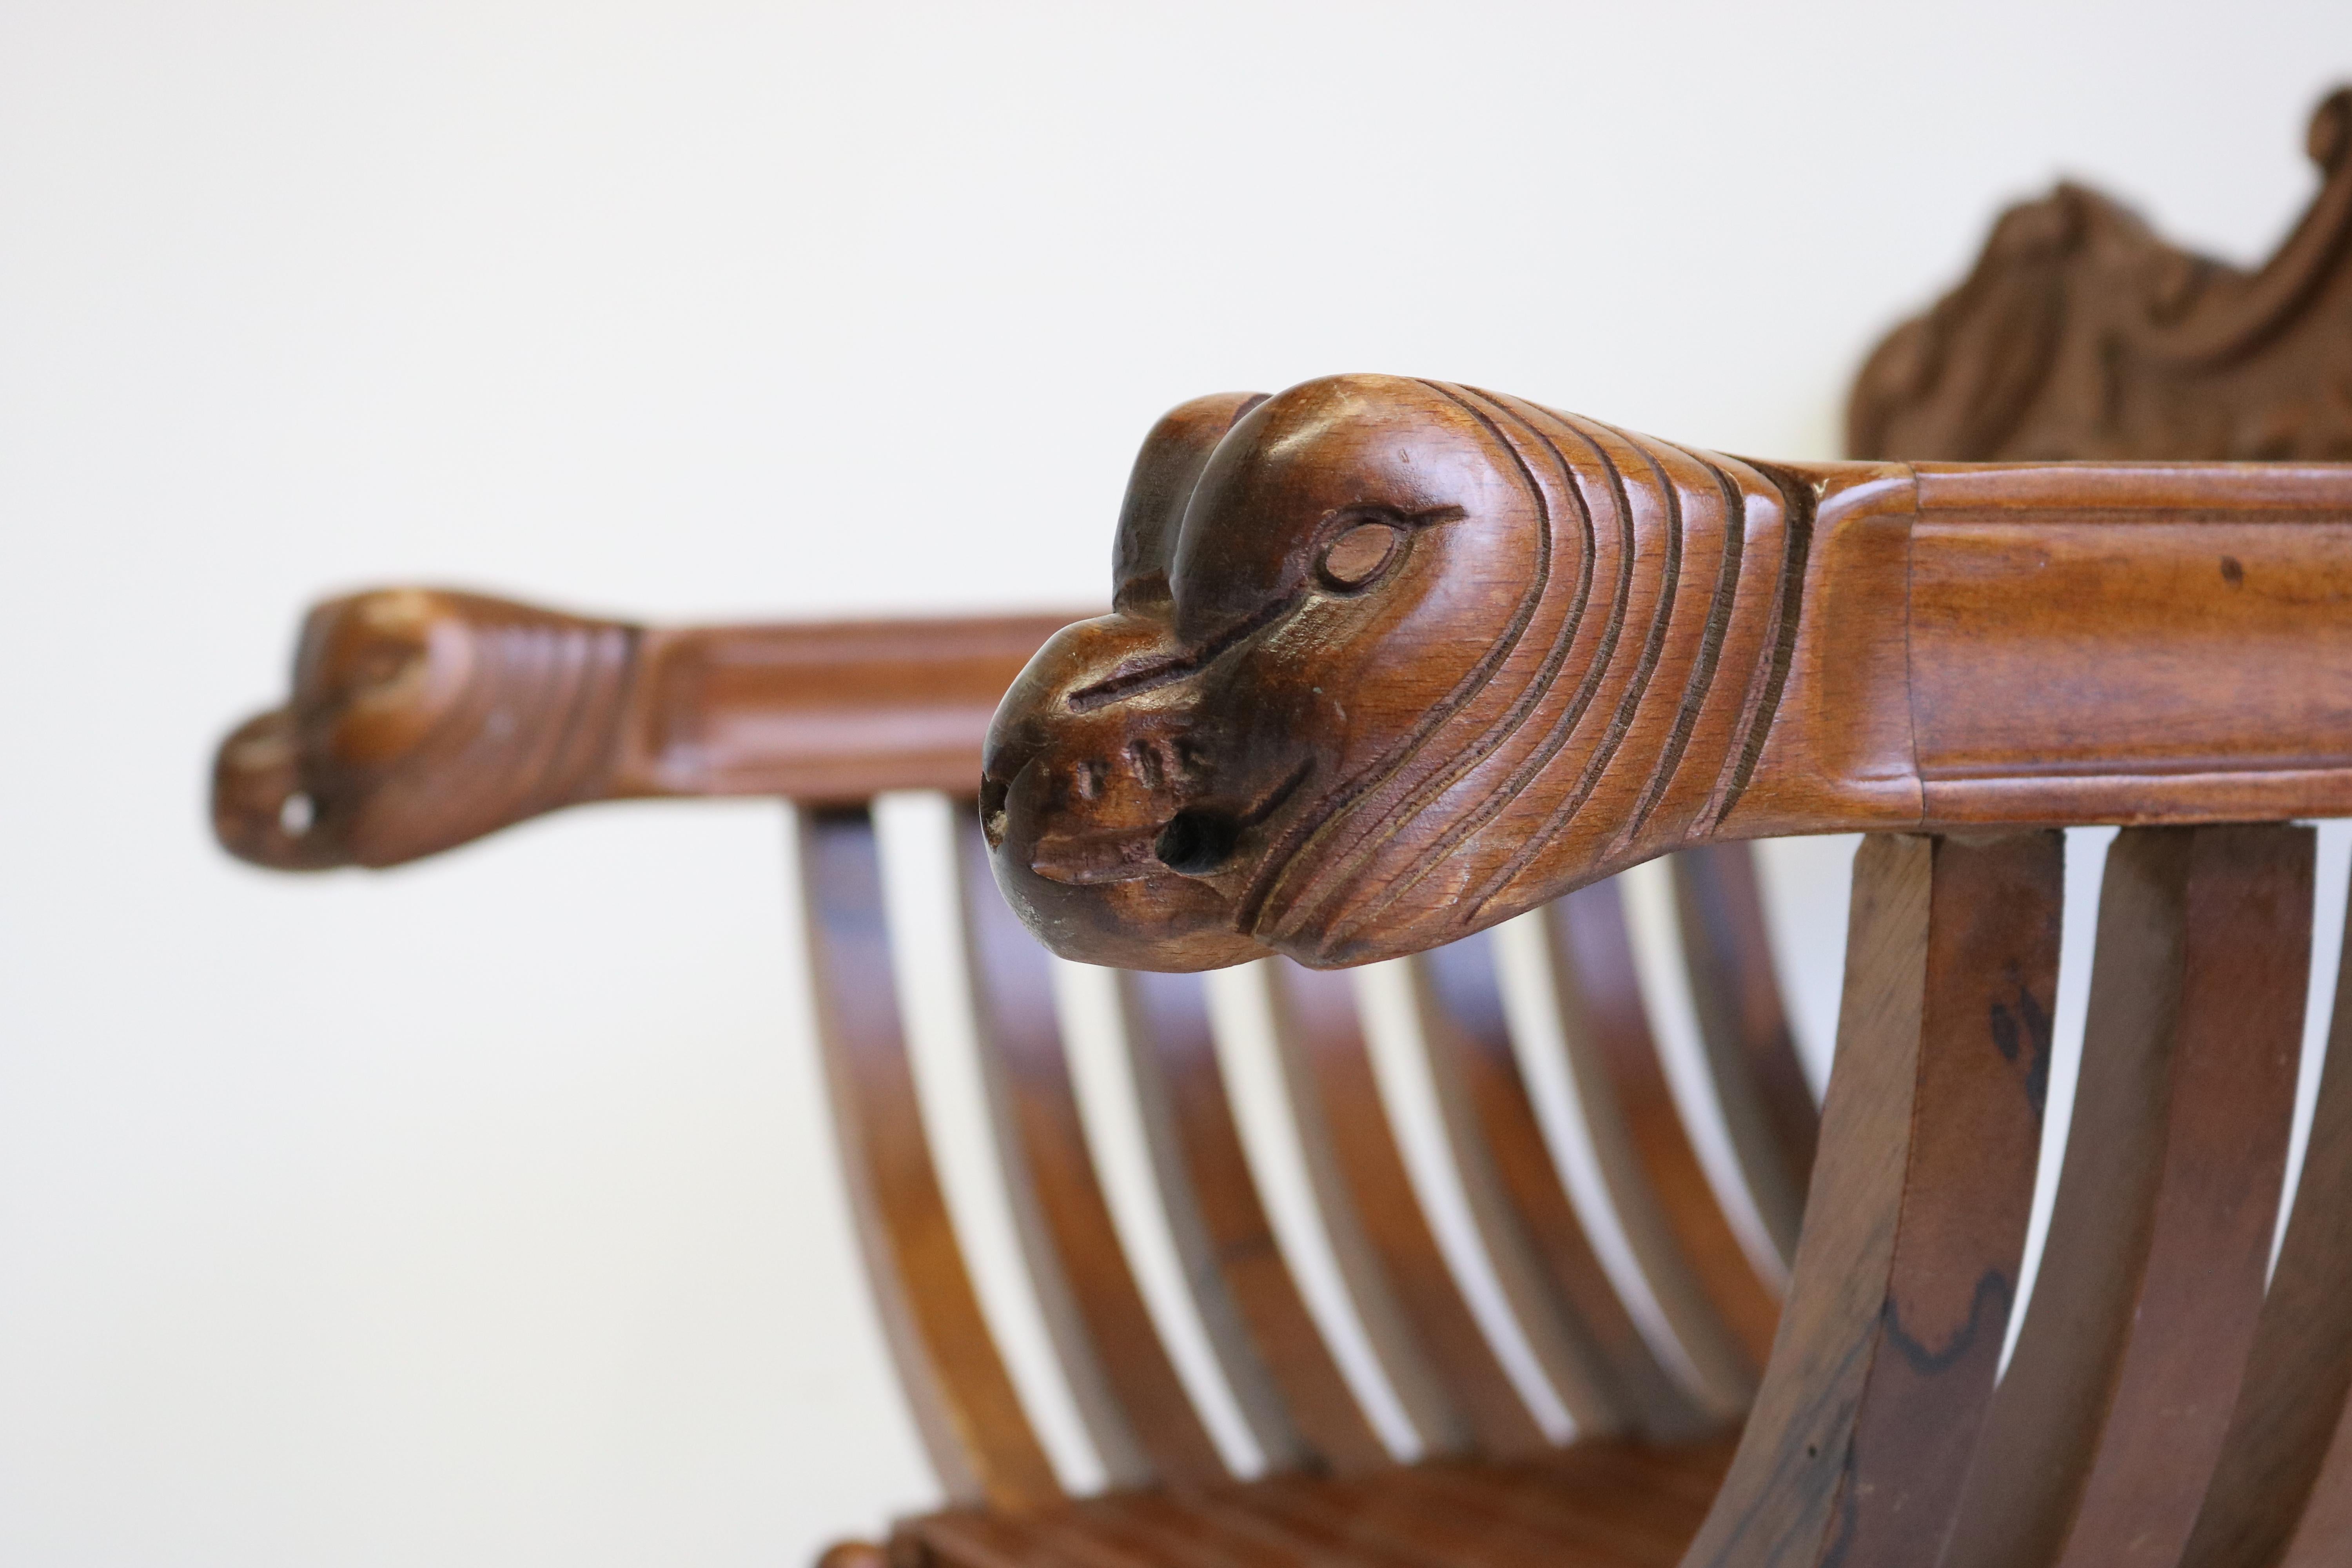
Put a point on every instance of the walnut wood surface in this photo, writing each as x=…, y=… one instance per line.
x=422, y=717
x=1720, y=1310
x=969, y=1417
x=1526, y=1213
x=1768, y=1106
x=1576, y=648
x=1909, y=1266
x=1482, y=1411
x=2282, y=1493
x=2081, y=335
x=2110, y=1421
x=1598, y=1505
x=1290, y=1389
x=1136, y=1408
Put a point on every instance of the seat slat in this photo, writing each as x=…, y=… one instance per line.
x=1319, y=1026
x=1289, y=1387
x=2282, y=1495
x=966, y=1409
x=1719, y=1308
x=1530, y=1225
x=1768, y=1106
x=2106, y=1432
x=1127, y=1388
x=1907, y=1270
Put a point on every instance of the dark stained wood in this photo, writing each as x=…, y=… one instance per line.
x=1319, y=1027
x=1598, y=1505
x=1135, y=1406
x=1291, y=1391
x=2110, y=1421
x=2281, y=1492
x=2081, y=335
x=1751, y=1055
x=1908, y=1267
x=422, y=717
x=1524, y=1209
x=965, y=1406
x=1589, y=648
x=1720, y=1310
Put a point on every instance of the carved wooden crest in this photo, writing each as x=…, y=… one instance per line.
x=2081, y=334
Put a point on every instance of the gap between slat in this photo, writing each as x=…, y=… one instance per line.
x=1522, y=962
x=1401, y=1066
x=1094, y=1033
x=1663, y=974
x=1241, y=1015
x=2332, y=875
x=916, y=832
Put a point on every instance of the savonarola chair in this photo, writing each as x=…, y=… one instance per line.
x=1392, y=661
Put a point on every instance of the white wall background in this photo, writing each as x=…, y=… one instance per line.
x=482, y=1212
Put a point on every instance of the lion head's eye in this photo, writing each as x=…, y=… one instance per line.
x=1357, y=555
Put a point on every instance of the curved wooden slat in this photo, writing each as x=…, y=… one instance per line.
x=1128, y=1390
x=965, y=1406
x=1298, y=1001
x=1768, y=1106
x=1290, y=1389
x=1526, y=1217
x=2282, y=1495
x=1719, y=1308
x=2105, y=1435
x=1319, y=1027
x=1883, y=1370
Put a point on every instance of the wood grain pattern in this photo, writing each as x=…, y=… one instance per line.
x=2281, y=1492
x=1135, y=1406
x=970, y=1418
x=1884, y=1369
x=422, y=717
x=2106, y=1430
x=1598, y=1505
x=1577, y=649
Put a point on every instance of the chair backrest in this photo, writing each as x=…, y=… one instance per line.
x=2171, y=1399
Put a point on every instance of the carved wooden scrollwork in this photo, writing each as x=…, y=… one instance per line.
x=2081, y=334
x=1393, y=660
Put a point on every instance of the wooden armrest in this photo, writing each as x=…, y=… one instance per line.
x=422, y=717
x=1422, y=657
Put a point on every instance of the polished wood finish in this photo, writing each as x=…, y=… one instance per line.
x=1585, y=647
x=1768, y=1106
x=1908, y=1272
x=1391, y=660
x=1481, y=1409
x=1525, y=1207
x=424, y=718
x=1128, y=1391
x=970, y=1418
x=1291, y=1390
x=2107, y=1428
x=1721, y=1310
x=2281, y=1491
x=1594, y=1506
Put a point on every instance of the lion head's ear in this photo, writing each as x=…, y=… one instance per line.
x=1157, y=489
